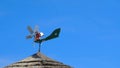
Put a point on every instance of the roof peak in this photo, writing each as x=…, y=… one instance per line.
x=37, y=56
x=38, y=59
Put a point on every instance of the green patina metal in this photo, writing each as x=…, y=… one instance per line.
x=53, y=35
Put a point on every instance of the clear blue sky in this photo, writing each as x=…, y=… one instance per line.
x=90, y=36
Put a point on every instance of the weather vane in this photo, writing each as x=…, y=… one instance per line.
x=36, y=34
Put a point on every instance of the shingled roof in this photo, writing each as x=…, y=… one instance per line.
x=38, y=60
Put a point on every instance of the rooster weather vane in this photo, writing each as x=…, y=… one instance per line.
x=36, y=34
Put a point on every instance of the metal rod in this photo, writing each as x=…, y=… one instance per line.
x=39, y=47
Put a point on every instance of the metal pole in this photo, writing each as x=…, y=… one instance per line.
x=39, y=47
x=39, y=51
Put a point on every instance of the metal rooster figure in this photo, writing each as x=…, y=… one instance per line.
x=37, y=35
